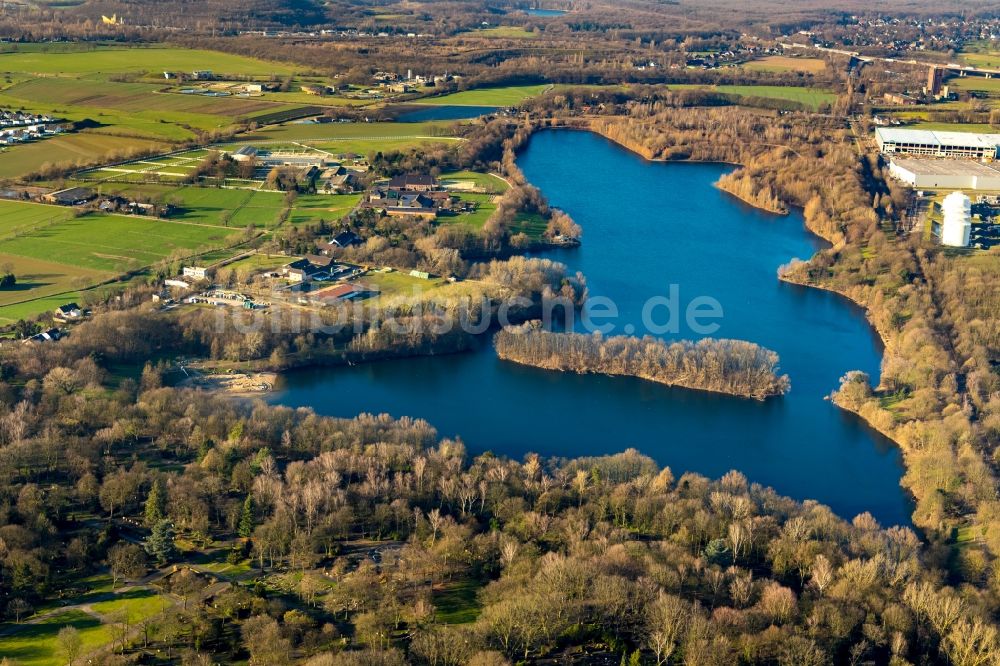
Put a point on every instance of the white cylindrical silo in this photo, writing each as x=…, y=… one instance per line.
x=957, y=210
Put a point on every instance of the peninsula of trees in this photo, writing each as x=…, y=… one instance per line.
x=735, y=367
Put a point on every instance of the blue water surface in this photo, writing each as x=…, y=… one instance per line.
x=648, y=226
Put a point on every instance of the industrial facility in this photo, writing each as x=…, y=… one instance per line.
x=925, y=174
x=957, y=220
x=893, y=140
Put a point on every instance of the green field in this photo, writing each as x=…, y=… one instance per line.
x=506, y=96
x=72, y=59
x=507, y=32
x=782, y=64
x=988, y=86
x=980, y=54
x=225, y=207
x=810, y=98
x=79, y=148
x=477, y=218
x=345, y=131
x=55, y=254
x=113, y=243
x=310, y=209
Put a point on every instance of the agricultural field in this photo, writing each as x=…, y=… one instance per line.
x=506, y=96
x=967, y=83
x=364, y=132
x=811, y=98
x=84, y=147
x=783, y=64
x=78, y=59
x=506, y=32
x=980, y=54
x=54, y=254
x=232, y=208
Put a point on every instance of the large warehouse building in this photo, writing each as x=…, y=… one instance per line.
x=945, y=174
x=938, y=144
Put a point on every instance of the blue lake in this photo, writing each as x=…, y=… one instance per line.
x=444, y=112
x=648, y=226
x=545, y=12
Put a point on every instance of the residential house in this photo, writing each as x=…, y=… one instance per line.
x=48, y=335
x=68, y=312
x=195, y=272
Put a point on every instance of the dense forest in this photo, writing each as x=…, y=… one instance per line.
x=735, y=367
x=597, y=556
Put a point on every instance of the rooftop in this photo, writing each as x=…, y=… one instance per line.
x=971, y=139
x=946, y=167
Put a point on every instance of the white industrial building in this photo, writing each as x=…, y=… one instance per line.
x=957, y=223
x=938, y=144
x=930, y=174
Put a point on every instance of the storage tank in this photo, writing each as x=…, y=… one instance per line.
x=957, y=209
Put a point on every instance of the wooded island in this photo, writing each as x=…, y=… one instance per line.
x=735, y=367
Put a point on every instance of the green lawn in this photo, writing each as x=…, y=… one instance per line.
x=456, y=602
x=36, y=644
x=506, y=96
x=398, y=283
x=533, y=225
x=309, y=209
x=477, y=218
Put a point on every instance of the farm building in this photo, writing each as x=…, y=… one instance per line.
x=945, y=174
x=245, y=154
x=414, y=183
x=938, y=144
x=195, y=272
x=73, y=196
x=341, y=292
